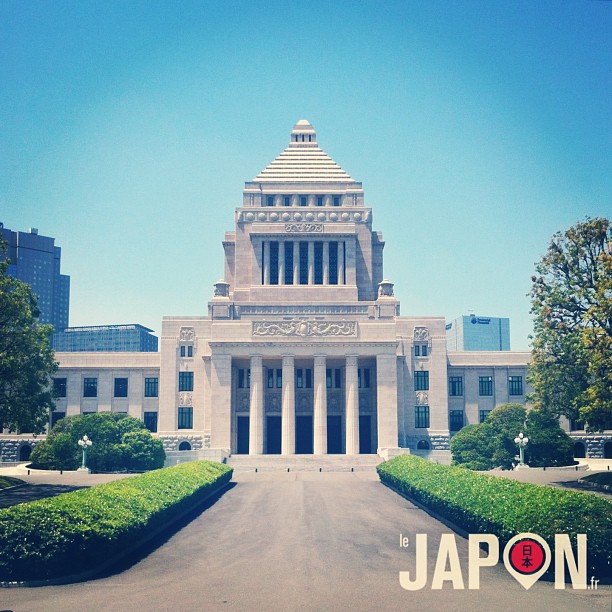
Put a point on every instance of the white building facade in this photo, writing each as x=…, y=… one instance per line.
x=303, y=349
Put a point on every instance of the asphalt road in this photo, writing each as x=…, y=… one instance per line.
x=297, y=541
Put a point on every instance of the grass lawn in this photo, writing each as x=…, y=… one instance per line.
x=9, y=481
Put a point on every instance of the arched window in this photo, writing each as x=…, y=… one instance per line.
x=184, y=446
x=24, y=452
x=423, y=445
x=579, y=450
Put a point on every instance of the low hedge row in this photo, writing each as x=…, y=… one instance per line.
x=487, y=504
x=9, y=481
x=77, y=531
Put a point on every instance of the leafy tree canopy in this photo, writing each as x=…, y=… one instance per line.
x=120, y=442
x=491, y=444
x=26, y=358
x=571, y=367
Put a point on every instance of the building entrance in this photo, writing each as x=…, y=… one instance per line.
x=242, y=446
x=273, y=435
x=334, y=435
x=303, y=435
x=365, y=435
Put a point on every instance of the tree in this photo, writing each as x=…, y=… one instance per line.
x=491, y=444
x=120, y=442
x=26, y=358
x=571, y=367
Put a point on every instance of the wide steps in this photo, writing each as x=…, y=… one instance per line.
x=323, y=463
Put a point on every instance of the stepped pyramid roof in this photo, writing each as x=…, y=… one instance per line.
x=303, y=161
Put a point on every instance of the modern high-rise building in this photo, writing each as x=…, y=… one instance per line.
x=36, y=260
x=129, y=338
x=474, y=333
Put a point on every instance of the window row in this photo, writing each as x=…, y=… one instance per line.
x=186, y=350
x=304, y=378
x=302, y=200
x=485, y=386
x=90, y=387
x=421, y=350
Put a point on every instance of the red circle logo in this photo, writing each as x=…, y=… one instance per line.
x=527, y=556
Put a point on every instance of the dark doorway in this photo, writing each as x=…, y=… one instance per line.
x=25, y=452
x=579, y=450
x=334, y=435
x=242, y=442
x=608, y=450
x=184, y=446
x=303, y=435
x=365, y=435
x=273, y=435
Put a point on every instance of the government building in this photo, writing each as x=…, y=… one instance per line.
x=303, y=349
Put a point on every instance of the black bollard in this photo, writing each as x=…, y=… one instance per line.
x=287, y=469
x=320, y=469
x=255, y=469
x=28, y=472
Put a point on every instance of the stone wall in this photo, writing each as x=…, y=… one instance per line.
x=197, y=442
x=11, y=447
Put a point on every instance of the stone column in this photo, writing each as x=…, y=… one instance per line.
x=320, y=405
x=386, y=400
x=221, y=399
x=266, y=262
x=256, y=421
x=352, y=406
x=341, y=262
x=288, y=408
x=326, y=262
x=311, y=262
x=296, y=262
x=281, y=262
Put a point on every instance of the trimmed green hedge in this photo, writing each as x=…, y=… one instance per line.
x=9, y=481
x=487, y=504
x=77, y=531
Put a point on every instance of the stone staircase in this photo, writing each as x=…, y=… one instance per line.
x=302, y=463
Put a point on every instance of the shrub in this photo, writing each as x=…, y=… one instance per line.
x=61, y=536
x=114, y=443
x=480, y=503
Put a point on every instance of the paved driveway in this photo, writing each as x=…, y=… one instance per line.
x=297, y=541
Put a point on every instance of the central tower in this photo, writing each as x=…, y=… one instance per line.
x=303, y=237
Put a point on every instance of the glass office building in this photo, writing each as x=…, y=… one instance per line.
x=130, y=338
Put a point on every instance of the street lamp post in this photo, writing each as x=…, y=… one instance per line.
x=521, y=440
x=84, y=443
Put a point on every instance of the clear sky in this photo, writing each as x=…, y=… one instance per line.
x=478, y=129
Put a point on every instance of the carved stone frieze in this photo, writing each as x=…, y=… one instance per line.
x=187, y=334
x=421, y=334
x=422, y=398
x=304, y=328
x=185, y=399
x=304, y=228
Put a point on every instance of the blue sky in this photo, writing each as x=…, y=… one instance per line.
x=478, y=129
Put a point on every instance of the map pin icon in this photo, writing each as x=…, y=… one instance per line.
x=526, y=557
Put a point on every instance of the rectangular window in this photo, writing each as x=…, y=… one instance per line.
x=576, y=425
x=121, y=387
x=279, y=378
x=59, y=387
x=455, y=386
x=318, y=263
x=274, y=262
x=421, y=417
x=241, y=379
x=455, y=420
x=287, y=201
x=417, y=350
x=303, y=201
x=185, y=381
x=421, y=381
x=308, y=376
x=515, y=385
x=151, y=387
x=244, y=378
x=333, y=263
x=303, y=263
x=483, y=415
x=90, y=387
x=336, y=200
x=270, y=200
x=299, y=378
x=270, y=383
x=182, y=351
x=289, y=262
x=485, y=385
x=56, y=416
x=424, y=350
x=150, y=421
x=338, y=378
x=319, y=200
x=366, y=378
x=189, y=350
x=359, y=379
x=328, y=378
x=185, y=418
